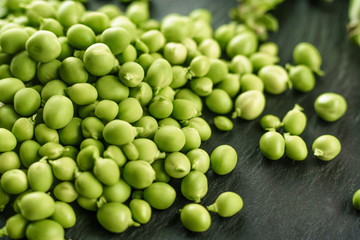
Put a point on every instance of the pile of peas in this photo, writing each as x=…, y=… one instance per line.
x=102, y=108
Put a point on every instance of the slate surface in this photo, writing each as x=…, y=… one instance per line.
x=282, y=199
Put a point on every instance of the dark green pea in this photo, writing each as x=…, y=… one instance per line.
x=195, y=217
x=4, y=200
x=89, y=204
x=140, y=210
x=301, y=77
x=97, y=21
x=201, y=86
x=106, y=171
x=218, y=70
x=307, y=54
x=355, y=200
x=218, y=101
x=160, y=173
x=29, y=152
x=64, y=168
x=87, y=185
x=65, y=191
x=115, y=153
x=270, y=121
x=48, y=71
x=160, y=195
x=227, y=204
x=71, y=134
x=43, y=46
x=110, y=88
x=175, y=28
x=192, y=139
x=326, y=147
x=36, y=206
x=249, y=105
x=8, y=116
x=230, y=84
x=45, y=229
x=9, y=160
x=161, y=107
x=8, y=88
x=40, y=176
x=169, y=139
x=52, y=88
x=15, y=227
x=177, y=165
x=194, y=186
x=261, y=59
x=130, y=110
x=58, y=112
x=275, y=79
x=272, y=145
x=52, y=25
x=80, y=36
x=138, y=174
x=64, y=214
x=86, y=157
x=149, y=125
x=295, y=147
x=27, y=101
x=115, y=217
x=118, y=192
x=22, y=66
x=154, y=39
x=251, y=81
x=169, y=122
x=223, y=159
x=330, y=106
x=72, y=70
x=185, y=93
x=294, y=121
x=7, y=140
x=128, y=55
x=44, y=134
x=13, y=40
x=23, y=129
x=244, y=43
x=223, y=123
x=159, y=74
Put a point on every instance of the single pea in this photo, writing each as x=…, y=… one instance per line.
x=227, y=204
x=7, y=140
x=8, y=88
x=154, y=39
x=147, y=150
x=138, y=12
x=99, y=60
x=201, y=126
x=272, y=145
x=23, y=67
x=210, y=47
x=223, y=159
x=356, y=200
x=23, y=129
x=97, y=21
x=13, y=40
x=87, y=185
x=119, y=132
x=118, y=192
x=223, y=123
x=270, y=121
x=90, y=204
x=160, y=173
x=330, y=106
x=294, y=121
x=160, y=195
x=40, y=176
x=307, y=54
x=80, y=36
x=15, y=227
x=64, y=168
x=199, y=160
x=175, y=28
x=295, y=147
x=43, y=46
x=110, y=88
x=149, y=125
x=175, y=53
x=126, y=23
x=184, y=109
x=128, y=55
x=249, y=105
x=37, y=10
x=199, y=66
x=70, y=152
x=138, y=174
x=218, y=70
x=116, y=38
x=27, y=101
x=195, y=217
x=52, y=25
x=8, y=116
x=106, y=171
x=240, y=64
x=143, y=93
x=37, y=206
x=194, y=186
x=244, y=43
x=177, y=165
x=169, y=122
x=262, y=59
x=161, y=107
x=48, y=71
x=9, y=160
x=251, y=81
x=224, y=33
x=140, y=210
x=180, y=77
x=326, y=147
x=64, y=214
x=44, y=134
x=230, y=84
x=58, y=112
x=269, y=48
x=169, y=139
x=72, y=70
x=218, y=101
x=82, y=93
x=192, y=139
x=5, y=71
x=65, y=191
x=66, y=49
x=115, y=153
x=115, y=217
x=130, y=110
x=71, y=134
x=52, y=88
x=92, y=127
x=201, y=86
x=4, y=200
x=275, y=79
x=51, y=150
x=106, y=110
x=145, y=60
x=301, y=77
x=112, y=10
x=159, y=74
x=185, y=93
x=29, y=152
x=45, y=229
x=131, y=74
x=87, y=156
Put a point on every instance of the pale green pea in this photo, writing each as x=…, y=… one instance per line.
x=261, y=59
x=22, y=66
x=112, y=10
x=64, y=214
x=183, y=109
x=175, y=53
x=169, y=122
x=130, y=110
x=13, y=40
x=139, y=174
x=326, y=147
x=244, y=43
x=199, y=66
x=80, y=36
x=149, y=125
x=175, y=28
x=227, y=204
x=201, y=13
x=159, y=74
x=249, y=105
x=110, y=88
x=45, y=229
x=169, y=139
x=119, y=132
x=129, y=54
x=154, y=39
x=9, y=160
x=44, y=134
x=269, y=48
x=118, y=192
x=40, y=176
x=145, y=60
x=307, y=54
x=4, y=200
x=301, y=77
x=106, y=171
x=140, y=210
x=201, y=126
x=224, y=33
x=36, y=206
x=295, y=147
x=167, y=92
x=269, y=121
x=15, y=227
x=160, y=107
x=210, y=47
x=218, y=101
x=177, y=165
x=180, y=77
x=275, y=79
x=37, y=10
x=218, y=70
x=160, y=173
x=330, y=106
x=230, y=84
x=194, y=186
x=192, y=139
x=99, y=60
x=199, y=160
x=223, y=159
x=7, y=140
x=89, y=204
x=116, y=38
x=23, y=129
x=201, y=86
x=251, y=81
x=8, y=88
x=147, y=149
x=96, y=20
x=87, y=185
x=141, y=47
x=115, y=153
x=272, y=145
x=29, y=152
x=131, y=74
x=143, y=93
x=52, y=25
x=92, y=127
x=195, y=217
x=48, y=71
x=58, y=112
x=106, y=110
x=160, y=195
x=72, y=70
x=71, y=134
x=82, y=93
x=223, y=123
x=43, y=46
x=125, y=22
x=138, y=12
x=64, y=168
x=186, y=93
x=151, y=24
x=52, y=88
x=65, y=191
x=294, y=121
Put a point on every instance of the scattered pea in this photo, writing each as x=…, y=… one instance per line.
x=330, y=106
x=294, y=121
x=326, y=147
x=195, y=217
x=227, y=204
x=223, y=159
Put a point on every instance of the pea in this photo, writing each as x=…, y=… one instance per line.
x=230, y=84
x=8, y=89
x=115, y=217
x=116, y=38
x=40, y=176
x=199, y=66
x=52, y=88
x=45, y=229
x=13, y=40
x=169, y=122
x=80, y=36
x=115, y=153
x=169, y=139
x=223, y=159
x=224, y=33
x=201, y=126
x=27, y=101
x=106, y=171
x=4, y=200
x=199, y=160
x=210, y=47
x=51, y=150
x=43, y=46
x=154, y=40
x=131, y=74
x=138, y=174
x=52, y=25
x=72, y=70
x=9, y=160
x=330, y=106
x=195, y=217
x=111, y=10
x=48, y=71
x=44, y=134
x=244, y=43
x=175, y=28
x=71, y=134
x=202, y=86
x=130, y=110
x=86, y=157
x=185, y=93
x=223, y=123
x=249, y=105
x=269, y=48
x=272, y=145
x=8, y=116
x=66, y=49
x=98, y=59
x=326, y=147
x=125, y=22
x=355, y=200
x=65, y=191
x=109, y=87
x=5, y=71
x=82, y=93
x=240, y=64
x=307, y=54
x=159, y=74
x=301, y=77
x=175, y=53
x=218, y=101
x=90, y=204
x=149, y=125
x=218, y=70
x=147, y=150
x=160, y=195
x=261, y=59
x=161, y=107
x=194, y=186
x=87, y=185
x=160, y=173
x=177, y=165
x=183, y=109
x=23, y=67
x=128, y=55
x=29, y=152
x=140, y=210
x=251, y=81
x=295, y=147
x=97, y=21
x=227, y=204
x=145, y=60
x=37, y=10
x=15, y=227
x=36, y=206
x=118, y=192
x=7, y=140
x=269, y=121
x=58, y=112
x=294, y=121
x=64, y=214
x=64, y=168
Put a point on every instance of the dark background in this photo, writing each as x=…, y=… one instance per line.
x=282, y=199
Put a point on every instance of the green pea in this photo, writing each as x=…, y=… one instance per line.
x=138, y=12
x=195, y=217
x=40, y=176
x=294, y=121
x=199, y=160
x=15, y=227
x=130, y=110
x=45, y=229
x=199, y=66
x=97, y=21
x=8, y=88
x=70, y=151
x=326, y=147
x=87, y=185
x=5, y=71
x=131, y=74
x=147, y=150
x=301, y=77
x=64, y=214
x=240, y=64
x=115, y=153
x=175, y=53
x=29, y=152
x=269, y=121
x=106, y=171
x=192, y=139
x=44, y=134
x=23, y=129
x=58, y=112
x=330, y=106
x=7, y=140
x=66, y=49
x=71, y=134
x=251, y=81
x=43, y=46
x=275, y=79
x=65, y=191
x=140, y=210
x=175, y=28
x=119, y=132
x=112, y=10
x=159, y=74
x=115, y=217
x=89, y=204
x=106, y=110
x=177, y=165
x=295, y=147
x=126, y=23
x=23, y=67
x=87, y=156
x=169, y=122
x=149, y=125
x=161, y=107
x=92, y=142
x=116, y=38
x=180, y=77
x=202, y=86
x=185, y=93
x=145, y=60
x=244, y=43
x=227, y=204
x=110, y=88
x=160, y=173
x=51, y=150
x=169, y=139
x=118, y=192
x=272, y=145
x=224, y=33
x=99, y=60
x=4, y=200
x=64, y=168
x=160, y=195
x=36, y=206
x=307, y=54
x=128, y=55
x=223, y=123
x=261, y=59
x=8, y=116
x=138, y=174
x=201, y=126
x=230, y=84
x=27, y=101
x=269, y=48
x=143, y=93
x=37, y=10
x=9, y=160
x=218, y=70
x=154, y=39
x=72, y=70
x=52, y=25
x=80, y=36
x=82, y=93
x=194, y=186
x=13, y=40
x=223, y=159
x=48, y=71
x=218, y=101
x=184, y=109
x=52, y=88
x=356, y=200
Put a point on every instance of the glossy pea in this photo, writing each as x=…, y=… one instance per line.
x=8, y=116
x=92, y=127
x=116, y=128
x=97, y=21
x=160, y=173
x=143, y=93
x=118, y=192
x=149, y=125
x=48, y=71
x=160, y=195
x=195, y=217
x=330, y=106
x=201, y=86
x=175, y=53
x=87, y=156
x=64, y=168
x=194, y=186
x=80, y=36
x=201, y=126
x=301, y=77
x=106, y=171
x=294, y=121
x=65, y=191
x=130, y=110
x=36, y=206
x=199, y=160
x=223, y=159
x=52, y=88
x=177, y=165
x=58, y=112
x=154, y=39
x=51, y=150
x=227, y=204
x=269, y=121
x=82, y=93
x=159, y=74
x=218, y=70
x=185, y=93
x=71, y=134
x=27, y=101
x=40, y=176
x=275, y=79
x=45, y=229
x=87, y=185
x=138, y=174
x=116, y=38
x=147, y=150
x=15, y=227
x=140, y=210
x=43, y=46
x=23, y=67
x=23, y=129
x=251, y=81
x=218, y=101
x=244, y=43
x=8, y=89
x=9, y=160
x=125, y=22
x=326, y=147
x=90, y=204
x=64, y=214
x=72, y=70
x=109, y=87
x=13, y=40
x=7, y=139
x=98, y=59
x=106, y=110
x=169, y=139
x=272, y=145
x=295, y=147
x=223, y=123
x=249, y=105
x=131, y=74
x=307, y=54
x=29, y=152
x=161, y=107
x=44, y=134
x=184, y=109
